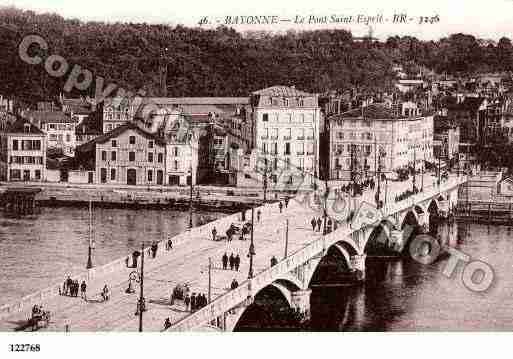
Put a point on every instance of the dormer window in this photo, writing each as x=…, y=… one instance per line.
x=300, y=102
x=286, y=102
x=26, y=127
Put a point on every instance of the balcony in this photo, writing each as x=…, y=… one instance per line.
x=287, y=138
x=309, y=137
x=286, y=153
x=300, y=153
x=309, y=152
x=274, y=138
x=301, y=138
x=264, y=137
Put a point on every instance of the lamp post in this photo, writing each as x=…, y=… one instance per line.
x=190, y=201
x=265, y=181
x=251, y=245
x=90, y=249
x=414, y=168
x=141, y=307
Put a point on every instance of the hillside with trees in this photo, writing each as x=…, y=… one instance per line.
x=223, y=62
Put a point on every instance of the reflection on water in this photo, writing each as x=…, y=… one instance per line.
x=38, y=252
x=403, y=295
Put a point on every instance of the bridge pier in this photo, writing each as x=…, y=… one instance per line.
x=301, y=302
x=358, y=265
x=397, y=240
x=424, y=221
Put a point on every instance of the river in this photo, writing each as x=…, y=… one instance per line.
x=403, y=295
x=40, y=251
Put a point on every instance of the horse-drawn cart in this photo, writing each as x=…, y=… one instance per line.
x=39, y=319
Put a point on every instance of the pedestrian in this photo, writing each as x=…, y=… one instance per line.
x=234, y=284
x=314, y=223
x=319, y=222
x=169, y=244
x=214, y=233
x=280, y=205
x=286, y=202
x=69, y=282
x=187, y=302
x=154, y=248
x=274, y=261
x=65, y=287
x=75, y=288
x=225, y=260
x=193, y=302
x=259, y=214
x=83, y=288
x=167, y=323
x=105, y=293
x=237, y=262
x=329, y=225
x=232, y=261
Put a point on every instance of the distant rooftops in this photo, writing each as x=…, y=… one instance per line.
x=375, y=111
x=22, y=125
x=283, y=91
x=43, y=117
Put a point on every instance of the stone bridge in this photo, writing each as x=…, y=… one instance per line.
x=291, y=276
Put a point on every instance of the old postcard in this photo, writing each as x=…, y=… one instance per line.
x=279, y=167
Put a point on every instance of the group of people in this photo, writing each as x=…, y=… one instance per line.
x=195, y=301
x=154, y=247
x=234, y=284
x=233, y=261
x=280, y=205
x=71, y=288
x=406, y=194
x=316, y=223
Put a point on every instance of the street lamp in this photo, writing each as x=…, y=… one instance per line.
x=190, y=200
x=141, y=305
x=251, y=252
x=91, y=243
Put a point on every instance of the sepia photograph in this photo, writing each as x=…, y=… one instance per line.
x=217, y=168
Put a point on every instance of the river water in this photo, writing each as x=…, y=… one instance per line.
x=40, y=251
x=403, y=295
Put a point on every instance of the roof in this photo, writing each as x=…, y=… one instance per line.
x=283, y=91
x=77, y=105
x=375, y=111
x=48, y=117
x=115, y=133
x=165, y=101
x=18, y=126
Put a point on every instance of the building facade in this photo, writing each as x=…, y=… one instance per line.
x=126, y=155
x=286, y=131
x=23, y=152
x=376, y=138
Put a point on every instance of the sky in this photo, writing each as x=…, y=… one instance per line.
x=489, y=19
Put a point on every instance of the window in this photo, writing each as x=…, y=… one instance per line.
x=286, y=102
x=103, y=175
x=36, y=145
x=114, y=143
x=300, y=102
x=68, y=138
x=160, y=158
x=131, y=140
x=340, y=135
x=113, y=156
x=112, y=174
x=131, y=156
x=104, y=156
x=150, y=144
x=37, y=174
x=15, y=174
x=15, y=145
x=150, y=175
x=287, y=148
x=150, y=157
x=176, y=151
x=176, y=165
x=265, y=117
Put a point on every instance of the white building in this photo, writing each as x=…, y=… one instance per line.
x=118, y=111
x=286, y=130
x=364, y=138
x=22, y=152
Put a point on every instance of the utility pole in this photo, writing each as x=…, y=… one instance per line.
x=414, y=167
x=252, y=245
x=265, y=181
x=209, y=280
x=439, y=171
x=190, y=201
x=141, y=296
x=286, y=238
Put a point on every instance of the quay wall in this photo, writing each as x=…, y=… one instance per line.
x=204, y=231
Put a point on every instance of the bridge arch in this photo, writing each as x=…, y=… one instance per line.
x=410, y=218
x=378, y=238
x=276, y=294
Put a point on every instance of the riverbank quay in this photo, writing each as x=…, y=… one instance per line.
x=141, y=197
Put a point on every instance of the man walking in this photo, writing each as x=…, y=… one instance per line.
x=237, y=262
x=314, y=223
x=319, y=222
x=83, y=288
x=286, y=202
x=280, y=205
x=187, y=302
x=214, y=233
x=259, y=214
x=193, y=302
x=232, y=261
x=225, y=260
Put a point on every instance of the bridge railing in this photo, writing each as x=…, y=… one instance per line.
x=249, y=288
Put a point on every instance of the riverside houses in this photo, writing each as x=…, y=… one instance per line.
x=22, y=152
x=126, y=155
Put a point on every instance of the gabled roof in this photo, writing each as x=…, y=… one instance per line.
x=115, y=133
x=282, y=91
x=22, y=125
x=373, y=111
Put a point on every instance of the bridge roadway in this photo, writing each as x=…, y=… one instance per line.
x=185, y=263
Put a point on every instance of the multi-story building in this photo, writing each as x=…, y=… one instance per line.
x=446, y=139
x=181, y=156
x=125, y=155
x=286, y=124
x=22, y=152
x=118, y=111
x=58, y=127
x=362, y=140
